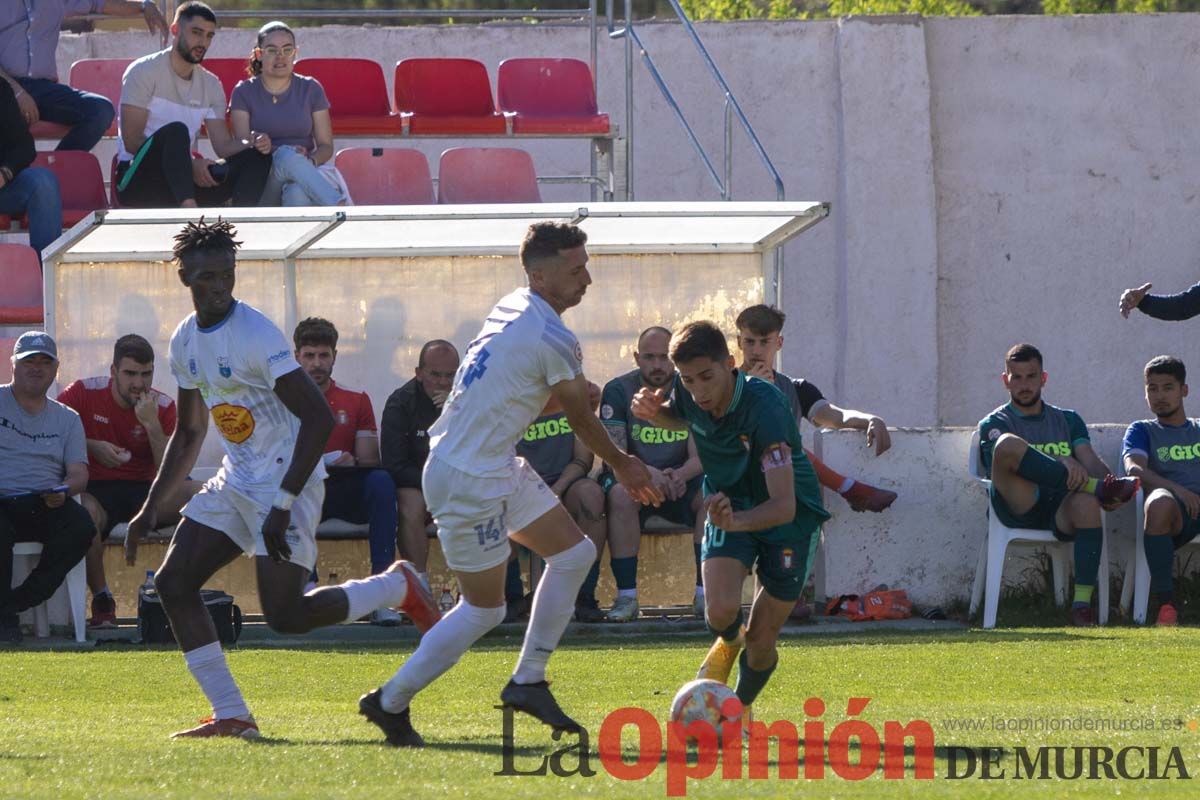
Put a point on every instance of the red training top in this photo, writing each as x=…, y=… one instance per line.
x=353, y=416
x=106, y=421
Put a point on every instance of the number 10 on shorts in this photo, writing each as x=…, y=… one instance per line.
x=491, y=531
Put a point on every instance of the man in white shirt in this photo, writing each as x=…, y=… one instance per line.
x=482, y=495
x=265, y=501
x=165, y=98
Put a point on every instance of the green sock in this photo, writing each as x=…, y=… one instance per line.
x=587, y=591
x=1160, y=557
x=751, y=681
x=1090, y=486
x=1042, y=470
x=625, y=572
x=1087, y=558
x=1083, y=595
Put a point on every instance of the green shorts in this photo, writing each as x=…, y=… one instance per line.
x=1039, y=518
x=783, y=554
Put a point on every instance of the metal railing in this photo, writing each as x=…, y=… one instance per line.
x=732, y=109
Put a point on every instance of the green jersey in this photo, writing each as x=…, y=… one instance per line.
x=737, y=448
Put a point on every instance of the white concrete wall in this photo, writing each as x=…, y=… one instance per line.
x=995, y=179
x=928, y=541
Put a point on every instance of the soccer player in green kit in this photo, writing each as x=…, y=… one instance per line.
x=760, y=493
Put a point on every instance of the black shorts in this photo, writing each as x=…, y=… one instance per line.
x=119, y=499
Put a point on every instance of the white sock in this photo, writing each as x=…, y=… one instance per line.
x=627, y=593
x=846, y=486
x=207, y=665
x=386, y=589
x=553, y=605
x=440, y=649
x=700, y=592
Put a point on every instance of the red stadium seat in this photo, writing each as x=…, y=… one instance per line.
x=21, y=276
x=357, y=92
x=80, y=182
x=229, y=70
x=446, y=96
x=380, y=176
x=101, y=76
x=6, y=348
x=550, y=97
x=487, y=175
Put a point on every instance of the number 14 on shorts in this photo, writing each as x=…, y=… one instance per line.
x=491, y=531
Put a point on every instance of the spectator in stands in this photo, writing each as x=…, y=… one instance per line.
x=286, y=116
x=126, y=424
x=165, y=97
x=356, y=489
x=672, y=460
x=43, y=462
x=563, y=462
x=32, y=191
x=28, y=41
x=407, y=415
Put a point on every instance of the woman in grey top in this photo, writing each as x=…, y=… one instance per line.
x=287, y=116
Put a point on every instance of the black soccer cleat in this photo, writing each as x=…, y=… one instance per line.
x=397, y=728
x=536, y=700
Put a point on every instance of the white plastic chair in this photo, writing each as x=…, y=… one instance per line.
x=75, y=584
x=989, y=569
x=1138, y=589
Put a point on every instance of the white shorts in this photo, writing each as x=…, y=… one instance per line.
x=475, y=515
x=239, y=514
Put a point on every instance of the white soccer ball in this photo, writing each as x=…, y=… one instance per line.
x=702, y=700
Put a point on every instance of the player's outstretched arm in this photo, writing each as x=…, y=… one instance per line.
x=1170, y=307
x=302, y=397
x=831, y=416
x=576, y=402
x=653, y=406
x=182, y=450
x=780, y=507
x=304, y=400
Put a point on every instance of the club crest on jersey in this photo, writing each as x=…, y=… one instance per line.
x=223, y=366
x=786, y=557
x=745, y=442
x=606, y=411
x=235, y=423
x=342, y=417
x=192, y=366
x=578, y=353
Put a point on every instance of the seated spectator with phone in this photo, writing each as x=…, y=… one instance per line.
x=165, y=97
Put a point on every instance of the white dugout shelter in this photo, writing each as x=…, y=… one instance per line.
x=392, y=277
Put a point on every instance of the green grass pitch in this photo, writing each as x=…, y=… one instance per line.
x=95, y=723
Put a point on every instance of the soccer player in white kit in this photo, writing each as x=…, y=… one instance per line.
x=482, y=495
x=232, y=362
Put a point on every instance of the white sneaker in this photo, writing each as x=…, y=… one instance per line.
x=624, y=609
x=385, y=618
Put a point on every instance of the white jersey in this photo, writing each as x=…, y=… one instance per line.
x=502, y=385
x=234, y=365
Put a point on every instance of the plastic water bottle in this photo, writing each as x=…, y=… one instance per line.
x=148, y=586
x=446, y=601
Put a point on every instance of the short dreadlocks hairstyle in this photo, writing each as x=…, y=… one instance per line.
x=202, y=236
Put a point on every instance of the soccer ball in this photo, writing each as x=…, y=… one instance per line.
x=702, y=700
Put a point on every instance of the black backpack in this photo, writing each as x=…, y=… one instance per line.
x=154, y=628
